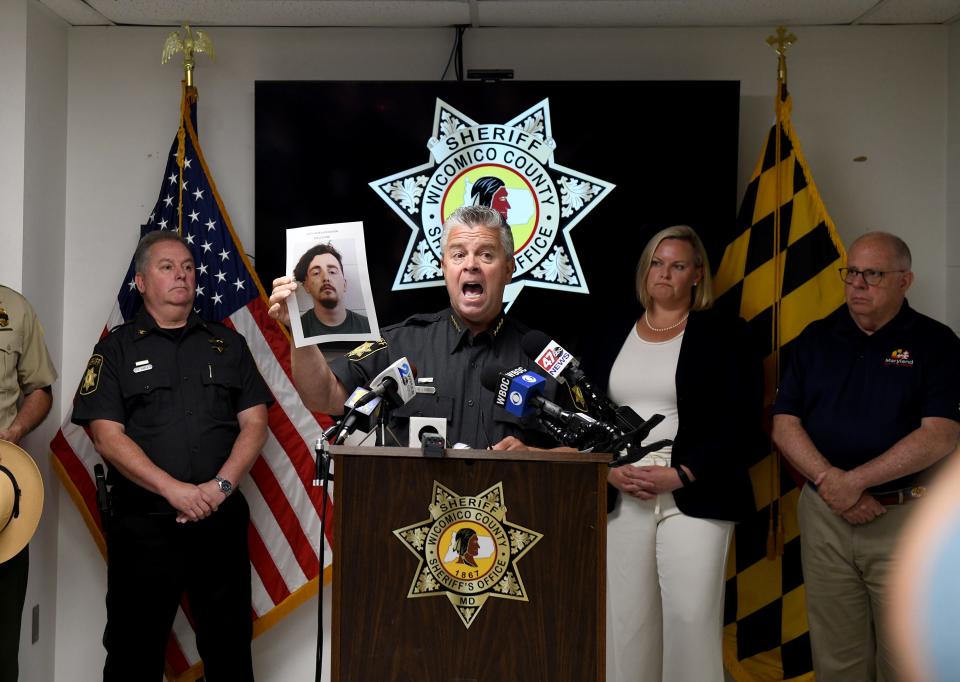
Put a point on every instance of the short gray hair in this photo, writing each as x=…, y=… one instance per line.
x=478, y=216
x=141, y=257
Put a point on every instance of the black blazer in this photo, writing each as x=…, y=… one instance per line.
x=719, y=405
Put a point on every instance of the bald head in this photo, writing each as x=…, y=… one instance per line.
x=885, y=258
x=885, y=240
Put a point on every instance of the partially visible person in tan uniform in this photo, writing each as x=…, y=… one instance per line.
x=26, y=374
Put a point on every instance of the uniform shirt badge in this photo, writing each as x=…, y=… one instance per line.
x=91, y=375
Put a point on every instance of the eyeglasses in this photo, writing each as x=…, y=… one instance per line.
x=871, y=277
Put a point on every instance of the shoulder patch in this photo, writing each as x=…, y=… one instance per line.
x=365, y=350
x=91, y=375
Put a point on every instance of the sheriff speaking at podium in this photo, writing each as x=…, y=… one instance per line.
x=449, y=348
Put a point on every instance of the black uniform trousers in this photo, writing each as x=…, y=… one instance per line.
x=13, y=591
x=151, y=562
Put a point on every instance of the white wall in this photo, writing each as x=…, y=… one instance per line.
x=953, y=177
x=878, y=92
x=33, y=234
x=13, y=77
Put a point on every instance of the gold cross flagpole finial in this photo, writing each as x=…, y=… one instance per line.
x=780, y=42
x=189, y=42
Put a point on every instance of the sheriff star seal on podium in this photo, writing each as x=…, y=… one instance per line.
x=468, y=550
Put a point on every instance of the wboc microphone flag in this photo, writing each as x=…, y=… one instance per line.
x=517, y=389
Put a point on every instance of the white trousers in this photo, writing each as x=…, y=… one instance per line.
x=665, y=586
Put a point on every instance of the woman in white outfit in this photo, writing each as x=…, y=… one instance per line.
x=670, y=529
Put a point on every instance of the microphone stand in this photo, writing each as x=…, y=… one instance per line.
x=597, y=436
x=382, y=428
x=382, y=424
x=323, y=478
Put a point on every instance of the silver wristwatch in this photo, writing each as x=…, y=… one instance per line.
x=226, y=487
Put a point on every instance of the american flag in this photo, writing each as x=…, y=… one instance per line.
x=284, y=507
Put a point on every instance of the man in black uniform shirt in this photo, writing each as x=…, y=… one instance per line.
x=320, y=270
x=177, y=408
x=449, y=348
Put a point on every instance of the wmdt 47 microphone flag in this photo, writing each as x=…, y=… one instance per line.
x=284, y=507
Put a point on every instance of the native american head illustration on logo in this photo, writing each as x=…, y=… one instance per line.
x=515, y=203
x=466, y=546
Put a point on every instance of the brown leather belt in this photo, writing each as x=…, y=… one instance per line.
x=900, y=496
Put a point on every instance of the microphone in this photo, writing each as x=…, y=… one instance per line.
x=551, y=357
x=517, y=391
x=564, y=367
x=395, y=385
x=520, y=393
x=559, y=363
x=363, y=411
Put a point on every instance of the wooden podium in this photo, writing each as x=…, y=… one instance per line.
x=538, y=555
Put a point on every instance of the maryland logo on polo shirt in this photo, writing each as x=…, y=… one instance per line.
x=467, y=550
x=900, y=358
x=509, y=167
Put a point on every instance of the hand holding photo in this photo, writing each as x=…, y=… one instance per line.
x=333, y=301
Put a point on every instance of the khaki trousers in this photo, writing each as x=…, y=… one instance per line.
x=845, y=570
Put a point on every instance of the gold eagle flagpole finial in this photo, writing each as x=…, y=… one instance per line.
x=189, y=42
x=780, y=42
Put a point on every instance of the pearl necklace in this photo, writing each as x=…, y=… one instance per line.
x=646, y=321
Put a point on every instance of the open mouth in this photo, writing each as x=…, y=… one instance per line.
x=472, y=290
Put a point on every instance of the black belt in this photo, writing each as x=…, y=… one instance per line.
x=901, y=496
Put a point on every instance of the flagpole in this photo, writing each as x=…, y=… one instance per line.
x=779, y=42
x=190, y=43
x=181, y=154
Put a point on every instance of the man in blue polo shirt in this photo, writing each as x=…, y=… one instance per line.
x=869, y=404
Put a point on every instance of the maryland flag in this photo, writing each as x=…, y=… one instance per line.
x=779, y=274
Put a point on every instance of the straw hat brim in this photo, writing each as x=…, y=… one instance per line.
x=18, y=531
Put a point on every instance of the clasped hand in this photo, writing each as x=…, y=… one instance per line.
x=645, y=482
x=194, y=502
x=846, y=498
